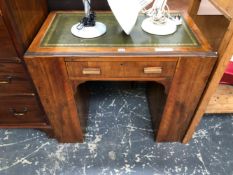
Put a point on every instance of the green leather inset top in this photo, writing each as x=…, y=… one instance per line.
x=59, y=35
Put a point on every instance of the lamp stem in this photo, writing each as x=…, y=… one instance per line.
x=87, y=7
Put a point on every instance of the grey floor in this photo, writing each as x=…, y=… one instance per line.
x=119, y=141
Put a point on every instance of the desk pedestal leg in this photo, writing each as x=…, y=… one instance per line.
x=57, y=97
x=185, y=93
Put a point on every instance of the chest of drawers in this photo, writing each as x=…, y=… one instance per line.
x=19, y=104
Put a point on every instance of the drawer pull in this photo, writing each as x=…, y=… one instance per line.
x=7, y=81
x=19, y=113
x=153, y=70
x=91, y=71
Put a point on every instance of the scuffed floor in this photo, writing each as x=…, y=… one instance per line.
x=119, y=141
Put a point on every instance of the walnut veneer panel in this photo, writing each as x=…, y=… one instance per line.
x=6, y=46
x=51, y=76
x=187, y=87
x=23, y=18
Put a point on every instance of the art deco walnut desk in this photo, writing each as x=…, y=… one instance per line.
x=175, y=67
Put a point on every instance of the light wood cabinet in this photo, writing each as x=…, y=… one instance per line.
x=220, y=29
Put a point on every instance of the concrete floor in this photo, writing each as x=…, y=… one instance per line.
x=119, y=141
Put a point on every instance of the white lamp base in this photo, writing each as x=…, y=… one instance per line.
x=166, y=28
x=89, y=32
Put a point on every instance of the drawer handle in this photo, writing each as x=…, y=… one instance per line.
x=153, y=70
x=7, y=81
x=19, y=113
x=91, y=71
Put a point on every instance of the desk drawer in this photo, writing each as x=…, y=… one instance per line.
x=20, y=110
x=14, y=79
x=121, y=69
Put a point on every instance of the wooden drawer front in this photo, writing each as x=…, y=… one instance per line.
x=121, y=69
x=20, y=110
x=14, y=79
x=6, y=46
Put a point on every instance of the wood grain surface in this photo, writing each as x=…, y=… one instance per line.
x=57, y=96
x=222, y=101
x=225, y=50
x=7, y=49
x=23, y=19
x=186, y=90
x=19, y=22
x=21, y=111
x=58, y=73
